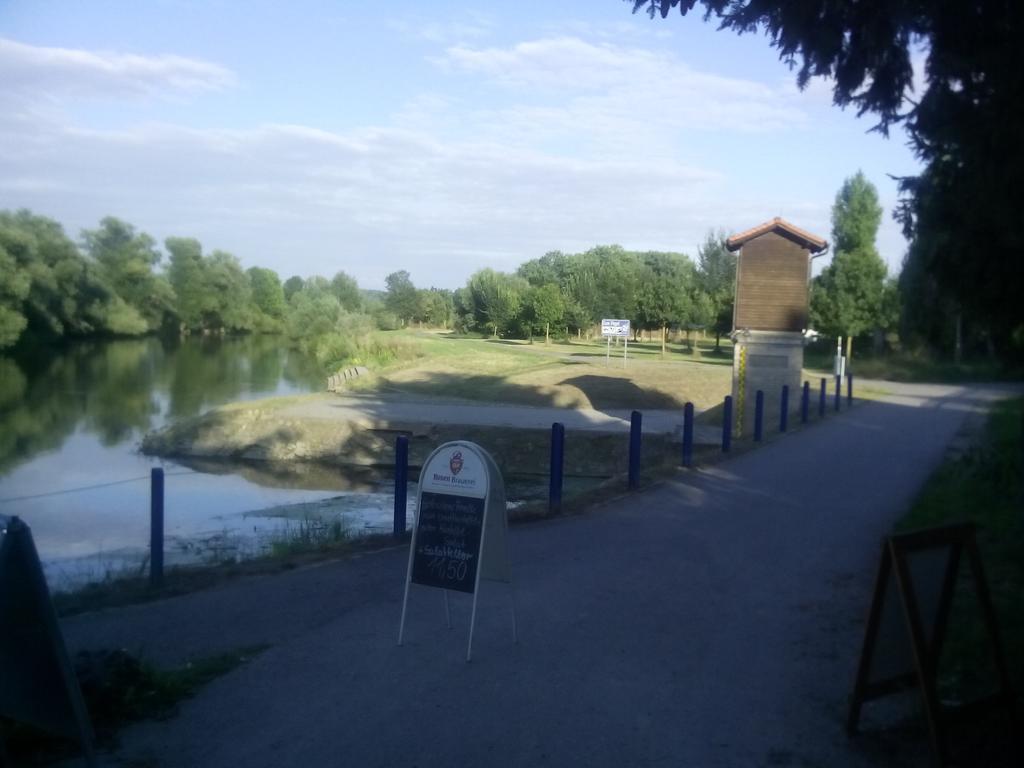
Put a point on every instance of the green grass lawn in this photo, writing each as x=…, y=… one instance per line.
x=563, y=374
x=907, y=366
x=985, y=485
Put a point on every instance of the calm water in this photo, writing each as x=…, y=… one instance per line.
x=70, y=425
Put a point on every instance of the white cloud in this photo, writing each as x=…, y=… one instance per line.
x=581, y=144
x=612, y=89
x=34, y=72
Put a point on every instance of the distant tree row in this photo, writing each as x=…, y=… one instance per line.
x=117, y=282
x=571, y=293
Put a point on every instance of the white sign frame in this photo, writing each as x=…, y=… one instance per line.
x=477, y=477
x=615, y=329
x=612, y=328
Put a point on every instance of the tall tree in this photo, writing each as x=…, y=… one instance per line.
x=346, y=291
x=849, y=297
x=543, y=306
x=267, y=293
x=964, y=126
x=65, y=295
x=187, y=273
x=716, y=277
x=401, y=297
x=126, y=261
x=665, y=280
x=292, y=285
x=496, y=299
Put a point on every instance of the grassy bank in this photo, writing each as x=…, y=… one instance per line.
x=908, y=366
x=120, y=689
x=984, y=485
x=565, y=374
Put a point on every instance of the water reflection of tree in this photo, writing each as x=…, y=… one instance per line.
x=113, y=389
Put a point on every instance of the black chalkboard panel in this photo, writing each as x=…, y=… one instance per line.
x=448, y=532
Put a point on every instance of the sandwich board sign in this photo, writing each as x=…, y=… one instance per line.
x=910, y=610
x=38, y=685
x=615, y=329
x=460, y=536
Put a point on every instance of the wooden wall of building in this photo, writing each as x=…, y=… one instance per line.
x=772, y=284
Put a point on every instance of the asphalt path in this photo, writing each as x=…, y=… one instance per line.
x=383, y=409
x=712, y=620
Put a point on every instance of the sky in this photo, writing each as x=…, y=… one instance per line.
x=315, y=136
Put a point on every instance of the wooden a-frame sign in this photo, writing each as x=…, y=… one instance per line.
x=907, y=625
x=38, y=685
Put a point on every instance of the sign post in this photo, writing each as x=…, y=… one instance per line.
x=461, y=531
x=616, y=329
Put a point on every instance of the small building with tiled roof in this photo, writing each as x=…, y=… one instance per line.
x=773, y=273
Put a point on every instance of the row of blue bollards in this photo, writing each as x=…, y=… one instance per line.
x=805, y=397
x=557, y=459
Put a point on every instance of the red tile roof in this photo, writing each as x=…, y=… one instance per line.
x=811, y=242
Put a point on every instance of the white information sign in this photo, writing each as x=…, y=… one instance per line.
x=615, y=328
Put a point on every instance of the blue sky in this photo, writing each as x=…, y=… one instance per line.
x=315, y=136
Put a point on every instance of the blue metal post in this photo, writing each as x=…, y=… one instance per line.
x=635, y=426
x=784, y=406
x=849, y=389
x=839, y=391
x=401, y=484
x=156, y=527
x=758, y=416
x=805, y=402
x=727, y=424
x=557, y=465
x=821, y=400
x=688, y=435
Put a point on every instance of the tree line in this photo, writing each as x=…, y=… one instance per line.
x=565, y=294
x=117, y=282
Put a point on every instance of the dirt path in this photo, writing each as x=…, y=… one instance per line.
x=713, y=620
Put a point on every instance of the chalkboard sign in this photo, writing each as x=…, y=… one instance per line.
x=37, y=683
x=460, y=536
x=448, y=533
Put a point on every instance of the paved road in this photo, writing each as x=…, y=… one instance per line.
x=713, y=620
x=382, y=408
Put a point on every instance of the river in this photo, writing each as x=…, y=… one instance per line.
x=71, y=419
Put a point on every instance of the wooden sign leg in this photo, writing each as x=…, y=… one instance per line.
x=922, y=658
x=867, y=653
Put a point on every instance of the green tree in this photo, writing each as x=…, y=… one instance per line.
x=65, y=294
x=187, y=274
x=496, y=299
x=15, y=283
x=849, y=297
x=665, y=282
x=346, y=291
x=228, y=285
x=964, y=126
x=293, y=285
x=543, y=306
x=438, y=307
x=716, y=278
x=267, y=293
x=126, y=261
x=401, y=296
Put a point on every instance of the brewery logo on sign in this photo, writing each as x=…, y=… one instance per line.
x=458, y=470
x=455, y=463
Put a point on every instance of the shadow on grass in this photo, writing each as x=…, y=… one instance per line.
x=596, y=391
